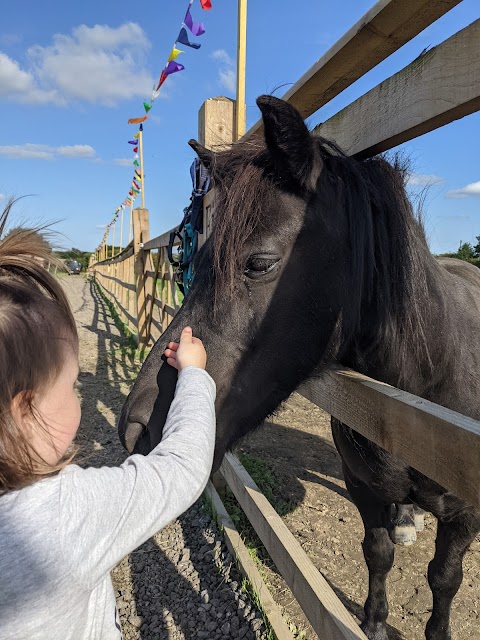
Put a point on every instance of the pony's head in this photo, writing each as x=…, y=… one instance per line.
x=283, y=281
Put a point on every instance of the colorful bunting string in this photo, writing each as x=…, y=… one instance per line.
x=171, y=67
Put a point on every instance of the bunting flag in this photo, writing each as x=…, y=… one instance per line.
x=137, y=186
x=137, y=135
x=173, y=67
x=183, y=39
x=174, y=54
x=163, y=77
x=135, y=162
x=206, y=4
x=137, y=120
x=147, y=108
x=197, y=28
x=133, y=142
x=135, y=149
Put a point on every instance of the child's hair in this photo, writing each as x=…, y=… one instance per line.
x=36, y=326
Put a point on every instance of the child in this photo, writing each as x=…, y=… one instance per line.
x=63, y=528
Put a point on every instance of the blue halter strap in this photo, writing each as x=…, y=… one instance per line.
x=189, y=228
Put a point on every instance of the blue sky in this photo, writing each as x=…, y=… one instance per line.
x=71, y=74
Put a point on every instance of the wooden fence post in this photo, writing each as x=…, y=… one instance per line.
x=216, y=130
x=216, y=122
x=142, y=264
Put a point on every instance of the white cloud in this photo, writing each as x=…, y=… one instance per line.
x=2, y=196
x=472, y=189
x=226, y=74
x=422, y=180
x=76, y=151
x=46, y=152
x=98, y=64
x=222, y=56
x=12, y=78
x=123, y=162
x=228, y=79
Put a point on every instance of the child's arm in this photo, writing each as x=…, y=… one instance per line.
x=108, y=512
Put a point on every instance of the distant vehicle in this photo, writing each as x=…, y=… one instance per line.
x=73, y=267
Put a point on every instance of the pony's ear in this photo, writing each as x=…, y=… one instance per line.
x=289, y=140
x=206, y=156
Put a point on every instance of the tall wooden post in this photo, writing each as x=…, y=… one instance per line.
x=112, y=253
x=130, y=223
x=143, y=263
x=121, y=229
x=121, y=293
x=132, y=297
x=217, y=130
x=240, y=111
x=140, y=145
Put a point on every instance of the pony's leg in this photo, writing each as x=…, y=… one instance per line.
x=403, y=526
x=418, y=518
x=445, y=571
x=378, y=550
x=407, y=520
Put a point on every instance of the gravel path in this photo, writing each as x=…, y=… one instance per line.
x=182, y=583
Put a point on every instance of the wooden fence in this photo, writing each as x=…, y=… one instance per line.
x=441, y=85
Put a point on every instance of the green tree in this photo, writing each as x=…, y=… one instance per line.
x=465, y=251
x=75, y=254
x=476, y=248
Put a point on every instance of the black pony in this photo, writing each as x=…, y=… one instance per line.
x=317, y=259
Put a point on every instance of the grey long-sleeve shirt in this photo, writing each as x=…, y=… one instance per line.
x=60, y=537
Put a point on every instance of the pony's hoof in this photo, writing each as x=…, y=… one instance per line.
x=419, y=519
x=404, y=535
x=374, y=630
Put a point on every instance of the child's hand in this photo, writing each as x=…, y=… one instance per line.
x=189, y=352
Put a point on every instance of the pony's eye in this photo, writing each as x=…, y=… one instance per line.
x=258, y=266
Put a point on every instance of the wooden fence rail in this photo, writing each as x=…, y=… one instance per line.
x=438, y=87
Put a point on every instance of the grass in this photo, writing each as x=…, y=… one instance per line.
x=262, y=474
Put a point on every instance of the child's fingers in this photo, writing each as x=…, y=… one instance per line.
x=170, y=353
x=186, y=335
x=173, y=346
x=172, y=362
